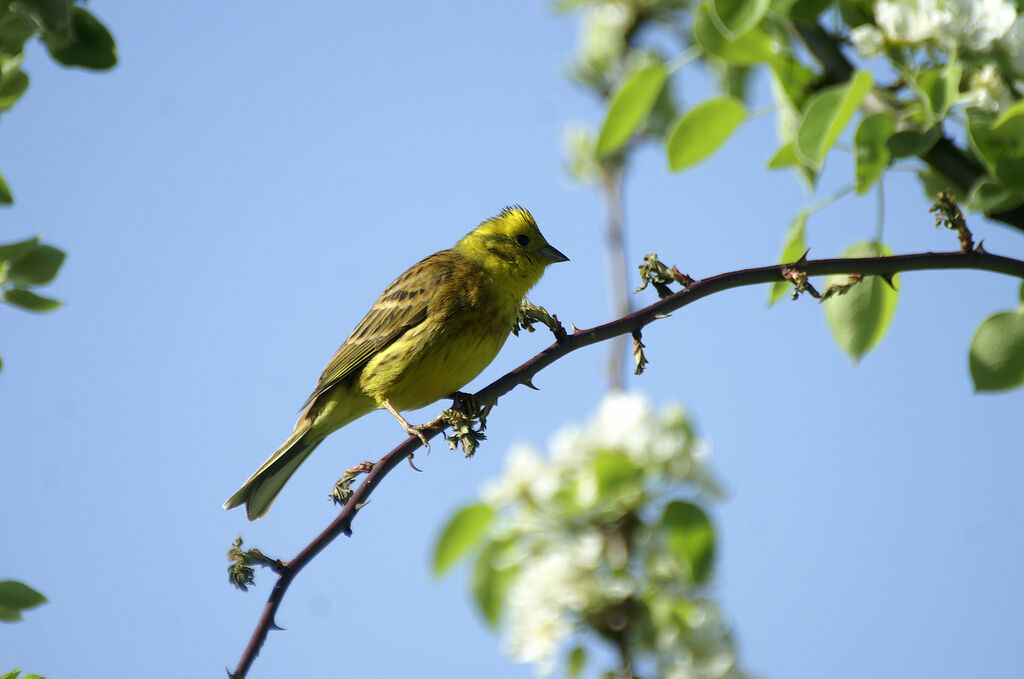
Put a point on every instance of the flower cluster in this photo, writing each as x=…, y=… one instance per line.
x=972, y=24
x=985, y=37
x=603, y=536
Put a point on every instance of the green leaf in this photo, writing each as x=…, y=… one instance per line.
x=12, y=86
x=52, y=12
x=753, y=47
x=690, y=538
x=735, y=17
x=784, y=157
x=14, y=594
x=16, y=597
x=907, y=143
x=491, y=581
x=934, y=183
x=827, y=115
x=5, y=193
x=630, y=107
x=86, y=42
x=615, y=473
x=856, y=12
x=15, y=29
x=997, y=352
x=872, y=152
x=861, y=317
x=794, y=80
x=1002, y=152
x=30, y=301
x=663, y=114
x=703, y=130
x=577, y=660
x=1011, y=122
x=15, y=251
x=991, y=196
x=36, y=267
x=804, y=11
x=734, y=80
x=940, y=87
x=464, y=532
x=795, y=247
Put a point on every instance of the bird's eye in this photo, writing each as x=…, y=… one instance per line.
x=523, y=240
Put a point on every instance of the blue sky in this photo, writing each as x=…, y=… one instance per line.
x=233, y=196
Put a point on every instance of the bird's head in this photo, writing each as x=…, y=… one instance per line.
x=510, y=247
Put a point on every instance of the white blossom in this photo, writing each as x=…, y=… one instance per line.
x=624, y=422
x=910, y=21
x=562, y=572
x=976, y=24
x=867, y=39
x=526, y=475
x=986, y=89
x=546, y=597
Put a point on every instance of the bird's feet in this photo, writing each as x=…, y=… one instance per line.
x=411, y=430
x=418, y=432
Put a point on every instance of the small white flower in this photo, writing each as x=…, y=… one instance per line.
x=681, y=668
x=987, y=89
x=543, y=601
x=867, y=39
x=976, y=24
x=603, y=34
x=569, y=448
x=526, y=475
x=624, y=422
x=910, y=21
x=585, y=552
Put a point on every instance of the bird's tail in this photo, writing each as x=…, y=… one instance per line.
x=258, y=493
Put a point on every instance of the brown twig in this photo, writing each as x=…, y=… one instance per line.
x=874, y=266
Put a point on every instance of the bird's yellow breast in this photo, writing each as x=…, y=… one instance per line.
x=469, y=319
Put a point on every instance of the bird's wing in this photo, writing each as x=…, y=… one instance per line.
x=402, y=305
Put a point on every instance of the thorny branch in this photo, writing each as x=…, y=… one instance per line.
x=566, y=343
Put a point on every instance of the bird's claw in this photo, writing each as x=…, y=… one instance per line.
x=413, y=430
x=409, y=460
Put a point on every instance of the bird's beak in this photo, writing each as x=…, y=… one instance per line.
x=552, y=255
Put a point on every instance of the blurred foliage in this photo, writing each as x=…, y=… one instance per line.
x=939, y=83
x=602, y=540
x=73, y=37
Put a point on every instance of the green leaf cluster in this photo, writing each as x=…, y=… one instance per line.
x=24, y=265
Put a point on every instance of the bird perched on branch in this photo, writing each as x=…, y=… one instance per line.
x=429, y=333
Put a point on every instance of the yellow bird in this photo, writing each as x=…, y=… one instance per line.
x=429, y=333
